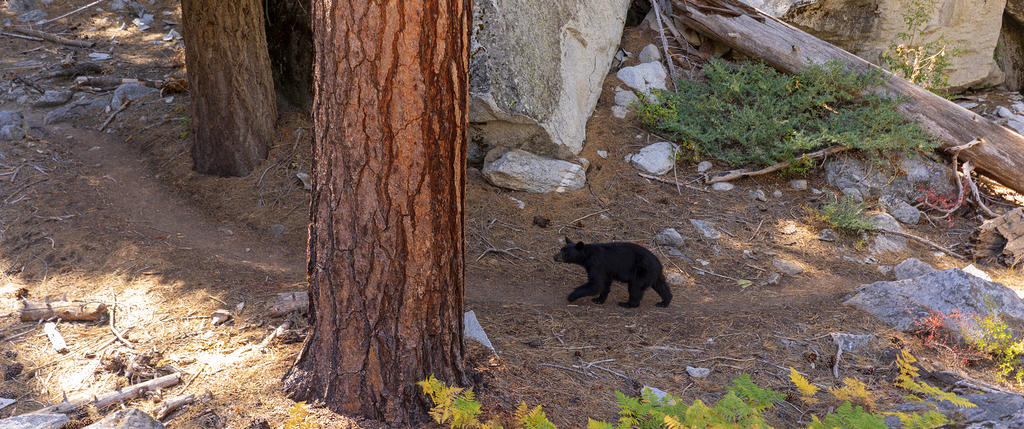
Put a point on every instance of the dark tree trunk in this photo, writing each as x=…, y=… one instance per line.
x=290, y=41
x=233, y=104
x=386, y=261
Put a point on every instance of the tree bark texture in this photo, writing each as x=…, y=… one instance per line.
x=789, y=49
x=233, y=105
x=386, y=266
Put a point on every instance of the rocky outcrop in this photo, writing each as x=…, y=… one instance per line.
x=1010, y=49
x=907, y=178
x=866, y=28
x=536, y=71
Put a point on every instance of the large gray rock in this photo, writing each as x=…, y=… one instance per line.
x=866, y=28
x=902, y=303
x=11, y=125
x=523, y=171
x=32, y=16
x=19, y=6
x=909, y=179
x=130, y=91
x=669, y=237
x=53, y=98
x=34, y=421
x=132, y=418
x=995, y=410
x=657, y=158
x=75, y=110
x=536, y=71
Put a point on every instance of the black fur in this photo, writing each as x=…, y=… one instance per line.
x=625, y=262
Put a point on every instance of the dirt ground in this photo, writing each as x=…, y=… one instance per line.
x=119, y=217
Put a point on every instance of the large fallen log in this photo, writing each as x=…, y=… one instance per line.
x=1001, y=238
x=789, y=49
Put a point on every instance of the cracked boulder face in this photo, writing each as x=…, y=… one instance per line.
x=536, y=71
x=867, y=27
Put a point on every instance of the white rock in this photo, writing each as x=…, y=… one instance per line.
x=789, y=267
x=602, y=154
x=220, y=316
x=1018, y=107
x=704, y=166
x=625, y=97
x=656, y=392
x=474, y=331
x=657, y=158
x=799, y=184
x=669, y=237
x=967, y=104
x=910, y=268
x=706, y=228
x=777, y=193
x=697, y=372
x=1003, y=112
x=974, y=271
x=523, y=171
x=649, y=53
x=620, y=111
x=644, y=77
x=723, y=186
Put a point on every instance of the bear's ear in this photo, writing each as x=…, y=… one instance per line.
x=579, y=245
x=568, y=241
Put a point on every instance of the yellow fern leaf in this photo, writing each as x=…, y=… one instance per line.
x=854, y=391
x=807, y=390
x=673, y=423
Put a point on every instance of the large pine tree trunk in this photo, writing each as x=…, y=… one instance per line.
x=233, y=103
x=385, y=244
x=290, y=42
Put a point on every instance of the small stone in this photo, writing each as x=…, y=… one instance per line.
x=697, y=372
x=34, y=421
x=758, y=195
x=602, y=154
x=704, y=166
x=656, y=392
x=967, y=104
x=657, y=158
x=827, y=235
x=541, y=221
x=474, y=331
x=884, y=269
x=620, y=111
x=799, y=184
x=649, y=53
x=171, y=36
x=585, y=163
x=5, y=402
x=132, y=418
x=220, y=316
x=789, y=228
x=816, y=191
x=624, y=97
x=304, y=178
x=99, y=56
x=52, y=98
x=899, y=209
x=787, y=266
x=1003, y=112
x=675, y=279
x=669, y=237
x=523, y=171
x=278, y=230
x=851, y=342
x=644, y=77
x=130, y=91
x=706, y=228
x=676, y=253
x=777, y=194
x=226, y=231
x=723, y=186
x=12, y=132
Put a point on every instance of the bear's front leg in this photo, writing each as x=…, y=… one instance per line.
x=586, y=290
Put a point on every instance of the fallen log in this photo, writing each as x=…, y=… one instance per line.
x=171, y=405
x=54, y=38
x=114, y=397
x=56, y=339
x=789, y=49
x=65, y=310
x=1001, y=238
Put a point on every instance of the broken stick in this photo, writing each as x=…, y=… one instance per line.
x=739, y=174
x=171, y=405
x=54, y=38
x=114, y=397
x=64, y=310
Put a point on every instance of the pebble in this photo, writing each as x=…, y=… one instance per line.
x=759, y=195
x=704, y=166
x=723, y=186
x=799, y=184
x=697, y=372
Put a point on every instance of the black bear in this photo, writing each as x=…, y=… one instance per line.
x=626, y=262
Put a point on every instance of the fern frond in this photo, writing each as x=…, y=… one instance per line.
x=673, y=423
x=806, y=389
x=855, y=391
x=594, y=424
x=534, y=418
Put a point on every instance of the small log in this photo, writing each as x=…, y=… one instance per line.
x=287, y=302
x=1001, y=238
x=114, y=397
x=65, y=310
x=54, y=38
x=56, y=339
x=112, y=81
x=171, y=405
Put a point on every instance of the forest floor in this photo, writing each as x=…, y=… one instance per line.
x=118, y=216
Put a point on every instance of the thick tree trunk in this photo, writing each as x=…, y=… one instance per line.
x=233, y=104
x=385, y=244
x=789, y=49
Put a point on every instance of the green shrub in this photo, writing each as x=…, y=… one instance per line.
x=750, y=114
x=997, y=340
x=846, y=215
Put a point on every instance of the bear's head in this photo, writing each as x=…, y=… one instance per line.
x=571, y=252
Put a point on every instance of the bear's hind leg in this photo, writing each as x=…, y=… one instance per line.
x=661, y=287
